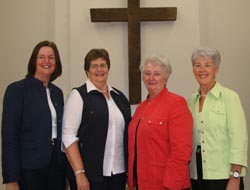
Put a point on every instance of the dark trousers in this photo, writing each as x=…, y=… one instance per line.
x=212, y=184
x=51, y=177
x=201, y=184
x=115, y=182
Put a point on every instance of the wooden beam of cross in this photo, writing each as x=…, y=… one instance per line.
x=133, y=15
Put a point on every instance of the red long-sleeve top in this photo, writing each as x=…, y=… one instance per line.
x=162, y=128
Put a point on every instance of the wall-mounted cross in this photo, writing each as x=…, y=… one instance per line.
x=134, y=14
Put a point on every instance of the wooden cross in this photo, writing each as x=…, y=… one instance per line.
x=133, y=15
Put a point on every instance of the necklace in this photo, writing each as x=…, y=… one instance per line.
x=104, y=91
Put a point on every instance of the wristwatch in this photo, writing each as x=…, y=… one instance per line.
x=235, y=174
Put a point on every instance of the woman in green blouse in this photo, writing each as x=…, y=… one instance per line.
x=220, y=142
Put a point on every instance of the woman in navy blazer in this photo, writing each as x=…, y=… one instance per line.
x=31, y=125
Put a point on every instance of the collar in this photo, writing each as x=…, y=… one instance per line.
x=92, y=87
x=215, y=91
x=158, y=96
x=38, y=82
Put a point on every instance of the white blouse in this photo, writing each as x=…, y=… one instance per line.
x=53, y=115
x=113, y=162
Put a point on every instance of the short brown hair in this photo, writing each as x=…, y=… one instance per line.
x=94, y=54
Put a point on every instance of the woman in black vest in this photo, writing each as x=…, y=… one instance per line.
x=95, y=122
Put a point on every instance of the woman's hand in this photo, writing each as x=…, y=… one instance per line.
x=233, y=184
x=12, y=186
x=82, y=181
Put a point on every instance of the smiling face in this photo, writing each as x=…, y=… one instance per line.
x=45, y=63
x=98, y=71
x=205, y=71
x=154, y=79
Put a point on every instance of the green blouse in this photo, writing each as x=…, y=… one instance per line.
x=221, y=131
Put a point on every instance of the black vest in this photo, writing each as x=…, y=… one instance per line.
x=94, y=127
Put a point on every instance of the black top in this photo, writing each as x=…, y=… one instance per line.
x=94, y=127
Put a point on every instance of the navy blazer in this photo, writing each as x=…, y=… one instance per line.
x=27, y=126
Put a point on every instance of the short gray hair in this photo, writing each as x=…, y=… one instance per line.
x=158, y=60
x=208, y=53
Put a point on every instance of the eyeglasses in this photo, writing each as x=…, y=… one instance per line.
x=101, y=66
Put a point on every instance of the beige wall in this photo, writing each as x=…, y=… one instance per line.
x=23, y=24
x=225, y=25
x=221, y=24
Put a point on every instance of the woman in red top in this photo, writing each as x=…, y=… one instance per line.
x=160, y=134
